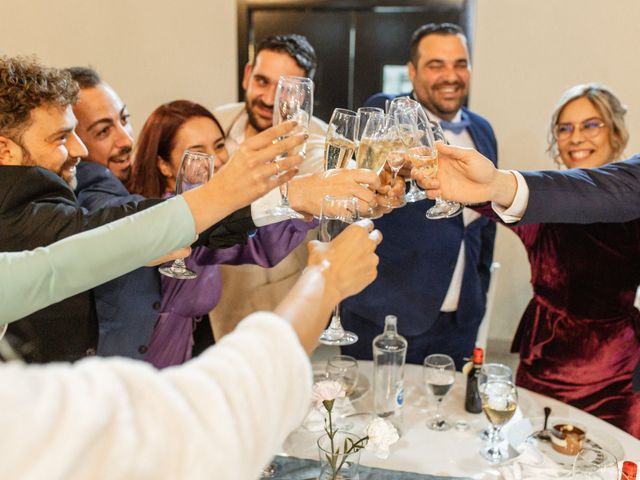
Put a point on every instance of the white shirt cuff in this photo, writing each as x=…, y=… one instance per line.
x=515, y=212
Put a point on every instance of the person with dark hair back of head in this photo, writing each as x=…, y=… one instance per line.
x=434, y=274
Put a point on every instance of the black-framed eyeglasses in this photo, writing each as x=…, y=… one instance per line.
x=589, y=128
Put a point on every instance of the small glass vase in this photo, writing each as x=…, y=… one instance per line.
x=334, y=463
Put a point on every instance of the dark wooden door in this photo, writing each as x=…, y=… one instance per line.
x=354, y=39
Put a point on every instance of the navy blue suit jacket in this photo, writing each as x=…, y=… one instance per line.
x=418, y=257
x=127, y=306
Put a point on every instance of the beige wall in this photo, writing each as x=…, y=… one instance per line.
x=525, y=55
x=151, y=51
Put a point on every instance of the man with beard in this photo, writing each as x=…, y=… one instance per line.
x=249, y=287
x=39, y=151
x=434, y=274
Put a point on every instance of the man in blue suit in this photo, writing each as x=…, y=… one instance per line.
x=433, y=274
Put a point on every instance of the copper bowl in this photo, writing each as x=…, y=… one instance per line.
x=567, y=438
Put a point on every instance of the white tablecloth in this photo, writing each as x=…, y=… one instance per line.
x=454, y=452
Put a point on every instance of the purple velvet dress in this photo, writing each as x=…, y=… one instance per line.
x=579, y=338
x=184, y=301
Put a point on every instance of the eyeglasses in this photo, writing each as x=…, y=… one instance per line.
x=589, y=128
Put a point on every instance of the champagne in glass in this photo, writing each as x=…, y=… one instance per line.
x=442, y=208
x=293, y=101
x=439, y=377
x=337, y=213
x=340, y=143
x=196, y=168
x=499, y=403
x=488, y=372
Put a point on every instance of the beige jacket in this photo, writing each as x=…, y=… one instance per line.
x=250, y=288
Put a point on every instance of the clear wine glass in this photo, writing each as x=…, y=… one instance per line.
x=439, y=377
x=336, y=214
x=340, y=142
x=196, y=168
x=293, y=101
x=499, y=403
x=493, y=371
x=344, y=370
x=595, y=463
x=442, y=208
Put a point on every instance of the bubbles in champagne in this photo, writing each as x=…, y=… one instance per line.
x=372, y=152
x=425, y=159
x=337, y=152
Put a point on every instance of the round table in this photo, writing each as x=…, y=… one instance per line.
x=454, y=452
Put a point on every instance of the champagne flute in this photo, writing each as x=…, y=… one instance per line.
x=336, y=214
x=414, y=194
x=595, y=463
x=196, y=168
x=293, y=101
x=379, y=139
x=439, y=377
x=340, y=142
x=499, y=403
x=442, y=208
x=492, y=371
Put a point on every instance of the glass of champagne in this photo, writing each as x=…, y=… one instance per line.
x=493, y=371
x=439, y=377
x=595, y=463
x=442, y=208
x=293, y=101
x=499, y=403
x=196, y=168
x=336, y=214
x=340, y=142
x=414, y=194
x=379, y=139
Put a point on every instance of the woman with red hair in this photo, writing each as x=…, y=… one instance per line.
x=170, y=130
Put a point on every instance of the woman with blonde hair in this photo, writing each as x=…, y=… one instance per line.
x=579, y=337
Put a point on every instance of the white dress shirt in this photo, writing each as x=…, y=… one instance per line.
x=462, y=139
x=515, y=211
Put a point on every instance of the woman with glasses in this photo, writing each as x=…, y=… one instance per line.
x=579, y=338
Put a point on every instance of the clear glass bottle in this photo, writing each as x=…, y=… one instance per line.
x=389, y=355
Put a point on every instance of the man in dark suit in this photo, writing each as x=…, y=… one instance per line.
x=433, y=274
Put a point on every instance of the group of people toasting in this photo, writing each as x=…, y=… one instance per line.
x=89, y=292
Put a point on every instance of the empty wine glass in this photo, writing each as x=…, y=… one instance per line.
x=344, y=370
x=293, y=101
x=442, y=208
x=439, y=377
x=196, y=168
x=499, y=403
x=595, y=463
x=493, y=371
x=340, y=142
x=336, y=214
x=415, y=132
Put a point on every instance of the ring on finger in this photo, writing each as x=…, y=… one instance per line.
x=277, y=164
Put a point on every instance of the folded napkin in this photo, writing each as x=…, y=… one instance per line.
x=531, y=464
x=314, y=421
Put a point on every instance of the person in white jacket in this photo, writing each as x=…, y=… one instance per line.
x=222, y=415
